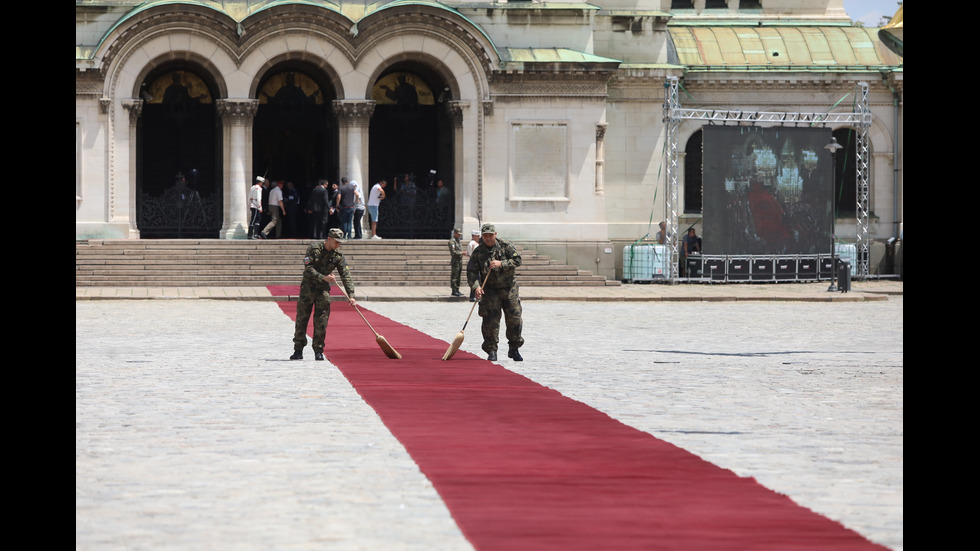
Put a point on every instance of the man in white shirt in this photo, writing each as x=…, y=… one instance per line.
x=255, y=206
x=278, y=210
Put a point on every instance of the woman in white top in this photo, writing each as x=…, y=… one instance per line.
x=358, y=209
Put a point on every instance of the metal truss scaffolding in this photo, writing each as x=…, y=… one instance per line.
x=860, y=120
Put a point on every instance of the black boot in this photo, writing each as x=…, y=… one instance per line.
x=318, y=355
x=297, y=354
x=492, y=356
x=515, y=355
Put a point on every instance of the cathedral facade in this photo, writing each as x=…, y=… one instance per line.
x=544, y=118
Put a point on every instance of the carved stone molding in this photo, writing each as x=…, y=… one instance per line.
x=88, y=83
x=550, y=88
x=353, y=112
x=135, y=108
x=600, y=158
x=237, y=111
x=456, y=110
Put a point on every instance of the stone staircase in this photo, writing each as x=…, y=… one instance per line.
x=249, y=263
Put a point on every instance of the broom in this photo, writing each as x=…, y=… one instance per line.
x=387, y=348
x=459, y=336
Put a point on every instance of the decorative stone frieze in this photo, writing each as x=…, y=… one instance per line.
x=237, y=111
x=456, y=110
x=135, y=109
x=353, y=112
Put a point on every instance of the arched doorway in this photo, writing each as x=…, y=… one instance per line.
x=411, y=146
x=178, y=185
x=295, y=134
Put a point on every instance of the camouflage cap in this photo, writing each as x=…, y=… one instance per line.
x=336, y=233
x=488, y=228
x=457, y=230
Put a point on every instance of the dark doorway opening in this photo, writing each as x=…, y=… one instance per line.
x=411, y=147
x=178, y=186
x=295, y=137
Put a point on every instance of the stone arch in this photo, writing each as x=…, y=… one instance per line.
x=131, y=53
x=202, y=66
x=326, y=75
x=459, y=52
x=139, y=45
x=322, y=51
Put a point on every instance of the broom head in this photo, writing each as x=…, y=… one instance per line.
x=453, y=347
x=388, y=350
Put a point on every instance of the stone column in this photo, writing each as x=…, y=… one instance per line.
x=128, y=194
x=457, y=111
x=353, y=119
x=236, y=118
x=600, y=158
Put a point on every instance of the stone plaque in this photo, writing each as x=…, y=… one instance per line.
x=539, y=161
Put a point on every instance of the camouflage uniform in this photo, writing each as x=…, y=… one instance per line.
x=314, y=292
x=456, y=263
x=499, y=294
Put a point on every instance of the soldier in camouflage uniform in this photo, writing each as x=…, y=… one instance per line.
x=500, y=259
x=321, y=259
x=456, y=262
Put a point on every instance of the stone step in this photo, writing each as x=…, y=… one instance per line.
x=278, y=262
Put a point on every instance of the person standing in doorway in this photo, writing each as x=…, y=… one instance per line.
x=290, y=197
x=318, y=207
x=359, y=208
x=345, y=203
x=278, y=210
x=265, y=204
x=333, y=220
x=374, y=204
x=255, y=208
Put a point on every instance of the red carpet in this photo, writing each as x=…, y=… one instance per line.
x=293, y=291
x=522, y=467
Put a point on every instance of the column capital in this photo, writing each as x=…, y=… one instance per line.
x=135, y=108
x=240, y=111
x=353, y=111
x=456, y=110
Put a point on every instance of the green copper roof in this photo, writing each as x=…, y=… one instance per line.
x=551, y=55
x=239, y=10
x=788, y=48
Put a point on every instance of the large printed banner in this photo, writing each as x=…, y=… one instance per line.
x=767, y=191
